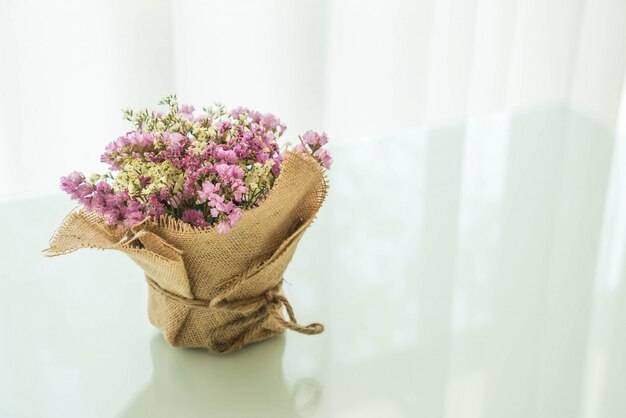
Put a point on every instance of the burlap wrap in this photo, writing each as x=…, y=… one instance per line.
x=217, y=291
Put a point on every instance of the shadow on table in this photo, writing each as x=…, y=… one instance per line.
x=247, y=383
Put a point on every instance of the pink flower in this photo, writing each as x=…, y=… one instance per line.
x=241, y=150
x=238, y=190
x=133, y=144
x=83, y=190
x=278, y=161
x=133, y=213
x=255, y=116
x=262, y=157
x=229, y=172
x=235, y=113
x=191, y=183
x=97, y=203
x=157, y=208
x=70, y=183
x=208, y=189
x=175, y=140
x=311, y=137
x=223, y=227
x=324, y=157
x=228, y=156
x=226, y=207
x=216, y=200
x=269, y=121
x=103, y=187
x=139, y=138
x=234, y=216
x=194, y=217
x=222, y=126
x=315, y=139
x=186, y=110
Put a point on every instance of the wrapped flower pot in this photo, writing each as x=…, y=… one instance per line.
x=212, y=211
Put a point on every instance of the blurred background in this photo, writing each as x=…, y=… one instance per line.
x=470, y=260
x=357, y=69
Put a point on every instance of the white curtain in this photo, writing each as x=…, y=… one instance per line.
x=357, y=69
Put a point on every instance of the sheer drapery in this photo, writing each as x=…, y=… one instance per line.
x=357, y=69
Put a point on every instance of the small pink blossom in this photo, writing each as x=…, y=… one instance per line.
x=324, y=157
x=71, y=182
x=216, y=200
x=174, y=140
x=238, y=190
x=238, y=111
x=194, y=217
x=207, y=190
x=228, y=156
x=133, y=213
x=229, y=172
x=223, y=227
x=311, y=137
x=84, y=190
x=234, y=216
x=186, y=110
x=315, y=139
x=269, y=121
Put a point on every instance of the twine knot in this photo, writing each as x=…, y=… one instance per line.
x=257, y=312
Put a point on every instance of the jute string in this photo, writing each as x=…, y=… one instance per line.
x=252, y=305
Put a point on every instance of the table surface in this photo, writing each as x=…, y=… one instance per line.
x=473, y=270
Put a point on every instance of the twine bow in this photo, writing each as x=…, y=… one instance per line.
x=260, y=312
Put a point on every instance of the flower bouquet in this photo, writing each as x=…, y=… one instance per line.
x=212, y=209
